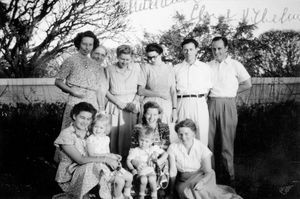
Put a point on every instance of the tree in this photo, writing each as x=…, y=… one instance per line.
x=37, y=31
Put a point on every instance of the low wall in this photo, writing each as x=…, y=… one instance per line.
x=33, y=90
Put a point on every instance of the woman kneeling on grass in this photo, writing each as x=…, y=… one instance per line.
x=78, y=173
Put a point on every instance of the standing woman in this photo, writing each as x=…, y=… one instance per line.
x=123, y=102
x=157, y=83
x=81, y=77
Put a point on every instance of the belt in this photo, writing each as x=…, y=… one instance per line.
x=192, y=95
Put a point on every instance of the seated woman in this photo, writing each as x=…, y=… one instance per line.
x=191, y=175
x=78, y=173
x=161, y=138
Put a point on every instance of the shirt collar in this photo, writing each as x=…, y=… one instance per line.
x=129, y=68
x=226, y=60
x=193, y=64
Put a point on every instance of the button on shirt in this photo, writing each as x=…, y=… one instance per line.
x=193, y=78
x=226, y=77
x=189, y=162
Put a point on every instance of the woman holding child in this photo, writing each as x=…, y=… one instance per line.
x=78, y=172
x=191, y=175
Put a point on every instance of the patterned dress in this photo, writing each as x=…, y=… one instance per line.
x=123, y=85
x=83, y=74
x=74, y=179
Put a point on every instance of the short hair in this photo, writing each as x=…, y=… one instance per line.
x=186, y=123
x=83, y=106
x=148, y=105
x=190, y=40
x=144, y=131
x=77, y=40
x=100, y=46
x=124, y=49
x=224, y=39
x=154, y=47
x=102, y=118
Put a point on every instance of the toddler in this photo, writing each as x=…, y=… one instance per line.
x=141, y=160
x=98, y=145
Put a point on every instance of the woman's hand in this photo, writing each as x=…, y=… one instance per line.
x=116, y=157
x=112, y=163
x=199, y=185
x=164, y=96
x=130, y=107
x=121, y=105
x=80, y=94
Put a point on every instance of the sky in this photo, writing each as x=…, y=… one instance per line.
x=156, y=16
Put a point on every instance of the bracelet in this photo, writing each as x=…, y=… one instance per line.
x=174, y=108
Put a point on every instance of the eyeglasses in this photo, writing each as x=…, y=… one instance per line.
x=152, y=57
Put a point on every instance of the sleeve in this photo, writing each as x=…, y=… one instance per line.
x=205, y=152
x=65, y=69
x=242, y=73
x=65, y=138
x=173, y=81
x=164, y=132
x=142, y=81
x=171, y=150
x=131, y=154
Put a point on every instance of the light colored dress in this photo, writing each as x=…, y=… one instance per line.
x=194, y=79
x=189, y=174
x=159, y=78
x=123, y=85
x=74, y=179
x=84, y=74
x=98, y=144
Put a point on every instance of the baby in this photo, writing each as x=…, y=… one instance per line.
x=98, y=145
x=146, y=154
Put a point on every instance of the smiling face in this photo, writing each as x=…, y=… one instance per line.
x=86, y=45
x=99, y=128
x=219, y=50
x=152, y=115
x=145, y=141
x=190, y=51
x=124, y=60
x=153, y=57
x=186, y=135
x=99, y=54
x=82, y=120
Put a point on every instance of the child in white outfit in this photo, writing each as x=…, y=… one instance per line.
x=98, y=145
x=146, y=154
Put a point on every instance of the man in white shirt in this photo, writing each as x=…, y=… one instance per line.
x=229, y=78
x=193, y=81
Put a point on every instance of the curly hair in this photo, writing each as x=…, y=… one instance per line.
x=124, y=49
x=77, y=40
x=148, y=105
x=83, y=106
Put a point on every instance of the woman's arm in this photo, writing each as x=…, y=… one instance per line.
x=65, y=88
x=115, y=101
x=173, y=174
x=174, y=104
x=208, y=172
x=163, y=158
x=75, y=155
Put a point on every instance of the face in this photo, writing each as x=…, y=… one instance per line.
x=99, y=54
x=99, y=128
x=151, y=116
x=190, y=51
x=185, y=134
x=82, y=120
x=124, y=60
x=145, y=142
x=86, y=45
x=153, y=57
x=219, y=50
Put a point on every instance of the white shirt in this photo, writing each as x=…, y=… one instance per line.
x=193, y=79
x=144, y=154
x=98, y=144
x=189, y=162
x=226, y=77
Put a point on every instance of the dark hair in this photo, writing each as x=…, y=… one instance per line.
x=148, y=105
x=224, y=39
x=144, y=131
x=154, y=47
x=186, y=123
x=124, y=49
x=83, y=106
x=190, y=40
x=77, y=40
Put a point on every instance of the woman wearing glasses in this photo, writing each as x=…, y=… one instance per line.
x=157, y=83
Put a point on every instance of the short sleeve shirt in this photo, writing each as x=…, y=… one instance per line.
x=144, y=154
x=193, y=79
x=98, y=144
x=123, y=82
x=189, y=162
x=226, y=77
